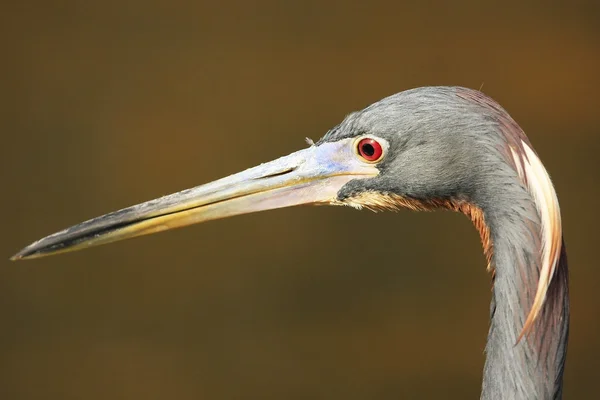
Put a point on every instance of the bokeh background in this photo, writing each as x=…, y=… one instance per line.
x=106, y=104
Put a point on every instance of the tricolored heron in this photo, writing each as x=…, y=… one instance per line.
x=426, y=148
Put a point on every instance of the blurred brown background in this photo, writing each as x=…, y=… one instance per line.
x=109, y=104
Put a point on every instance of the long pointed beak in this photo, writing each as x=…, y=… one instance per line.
x=309, y=176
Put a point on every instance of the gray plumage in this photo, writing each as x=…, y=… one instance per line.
x=451, y=143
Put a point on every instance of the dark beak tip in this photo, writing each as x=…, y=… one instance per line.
x=22, y=255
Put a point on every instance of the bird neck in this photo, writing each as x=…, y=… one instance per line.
x=531, y=365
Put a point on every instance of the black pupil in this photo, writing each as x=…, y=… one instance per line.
x=368, y=149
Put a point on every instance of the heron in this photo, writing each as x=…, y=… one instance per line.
x=423, y=149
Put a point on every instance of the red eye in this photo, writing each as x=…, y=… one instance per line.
x=370, y=149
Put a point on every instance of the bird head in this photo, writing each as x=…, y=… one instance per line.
x=412, y=149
